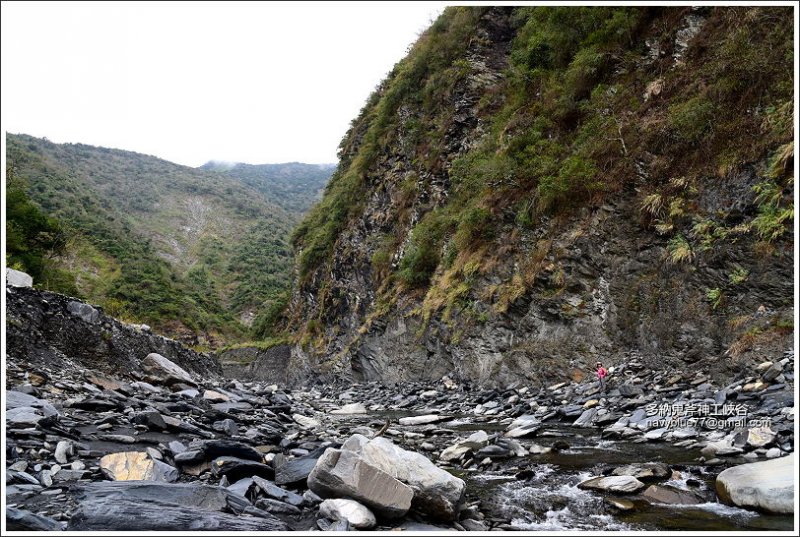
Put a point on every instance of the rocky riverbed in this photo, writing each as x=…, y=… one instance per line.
x=163, y=448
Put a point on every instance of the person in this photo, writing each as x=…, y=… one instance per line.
x=602, y=373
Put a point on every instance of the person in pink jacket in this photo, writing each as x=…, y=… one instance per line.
x=602, y=373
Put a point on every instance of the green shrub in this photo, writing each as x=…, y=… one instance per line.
x=691, y=120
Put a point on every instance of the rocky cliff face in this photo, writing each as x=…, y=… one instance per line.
x=656, y=254
x=53, y=331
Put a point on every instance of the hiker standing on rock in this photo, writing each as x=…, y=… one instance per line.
x=602, y=373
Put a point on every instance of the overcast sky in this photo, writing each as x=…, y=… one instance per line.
x=191, y=82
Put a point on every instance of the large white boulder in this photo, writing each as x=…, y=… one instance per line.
x=766, y=485
x=18, y=278
x=165, y=370
x=342, y=473
x=437, y=493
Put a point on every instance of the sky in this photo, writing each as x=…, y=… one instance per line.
x=197, y=81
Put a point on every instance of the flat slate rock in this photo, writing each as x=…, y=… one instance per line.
x=295, y=470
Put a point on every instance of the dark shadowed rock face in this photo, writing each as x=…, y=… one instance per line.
x=51, y=329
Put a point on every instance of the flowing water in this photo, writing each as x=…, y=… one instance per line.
x=550, y=498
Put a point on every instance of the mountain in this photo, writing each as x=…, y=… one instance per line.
x=294, y=186
x=185, y=250
x=532, y=189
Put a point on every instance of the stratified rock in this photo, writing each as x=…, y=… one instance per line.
x=16, y=399
x=437, y=493
x=21, y=520
x=294, y=471
x=341, y=473
x=136, y=466
x=766, y=485
x=147, y=506
x=357, y=515
x=167, y=371
x=24, y=416
x=277, y=493
x=622, y=483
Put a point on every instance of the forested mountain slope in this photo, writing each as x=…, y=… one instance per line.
x=294, y=186
x=535, y=188
x=186, y=250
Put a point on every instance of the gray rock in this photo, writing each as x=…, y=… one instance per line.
x=357, y=515
x=766, y=485
x=294, y=471
x=586, y=418
x=277, y=493
x=437, y=493
x=644, y=471
x=666, y=494
x=772, y=373
x=24, y=416
x=164, y=369
x=147, y=506
x=64, y=450
x=16, y=399
x=341, y=473
x=84, y=311
x=21, y=520
x=236, y=468
x=277, y=507
x=17, y=278
x=621, y=484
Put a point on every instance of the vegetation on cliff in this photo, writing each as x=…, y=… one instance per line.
x=578, y=105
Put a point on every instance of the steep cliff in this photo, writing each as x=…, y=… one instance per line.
x=532, y=189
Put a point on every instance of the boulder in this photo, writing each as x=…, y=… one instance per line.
x=136, y=466
x=357, y=515
x=17, y=278
x=766, y=485
x=437, y=493
x=622, y=484
x=167, y=371
x=342, y=472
